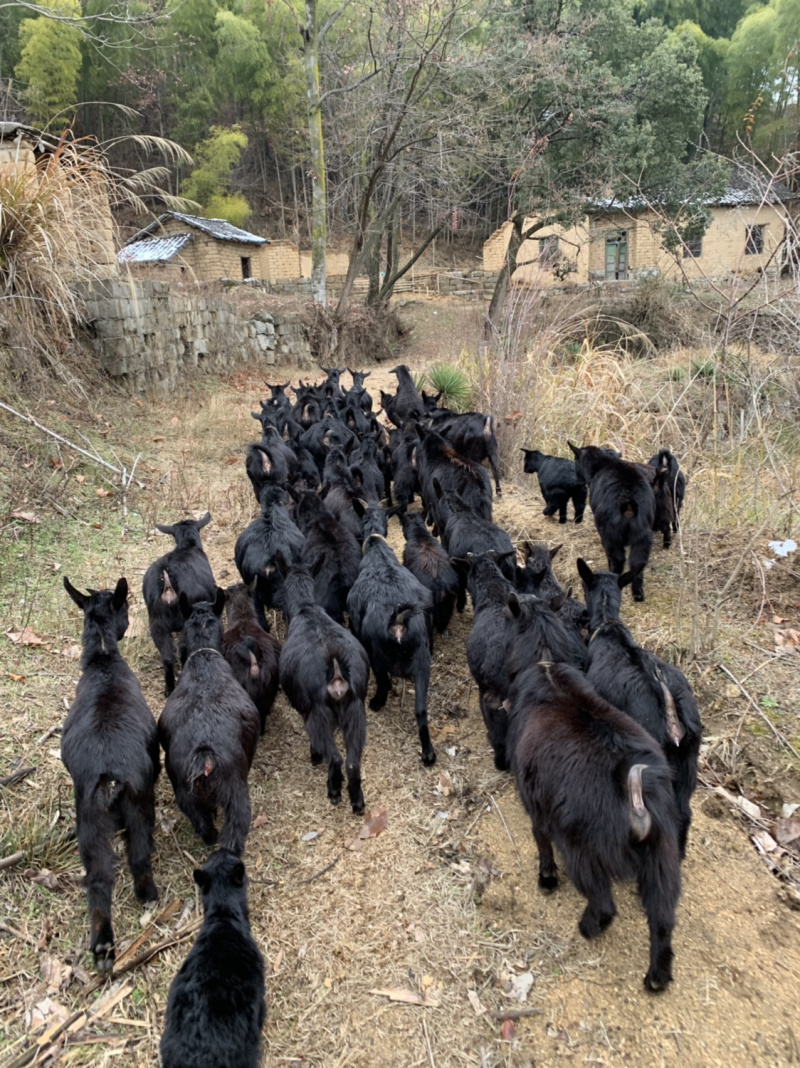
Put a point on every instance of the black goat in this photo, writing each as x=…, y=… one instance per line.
x=184, y=570
x=252, y=653
x=654, y=693
x=676, y=481
x=366, y=470
x=537, y=577
x=325, y=674
x=559, y=483
x=257, y=545
x=209, y=731
x=364, y=399
x=330, y=552
x=437, y=460
x=472, y=435
x=596, y=785
x=406, y=403
x=391, y=614
x=109, y=746
x=341, y=491
x=429, y=564
x=623, y=505
x=487, y=647
x=306, y=410
x=463, y=534
x=265, y=465
x=216, y=1007
x=403, y=468
x=325, y=435
x=330, y=388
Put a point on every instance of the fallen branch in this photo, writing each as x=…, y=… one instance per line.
x=322, y=871
x=781, y=738
x=89, y=456
x=508, y=832
x=17, y=776
x=515, y=1014
x=10, y=861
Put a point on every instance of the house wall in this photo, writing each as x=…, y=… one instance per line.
x=573, y=245
x=722, y=253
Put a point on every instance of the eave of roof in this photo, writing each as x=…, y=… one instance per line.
x=154, y=249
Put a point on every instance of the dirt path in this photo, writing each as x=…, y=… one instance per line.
x=443, y=903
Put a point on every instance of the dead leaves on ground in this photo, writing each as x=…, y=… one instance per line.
x=406, y=997
x=26, y=636
x=373, y=825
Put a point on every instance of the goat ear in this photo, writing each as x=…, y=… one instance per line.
x=629, y=576
x=80, y=599
x=219, y=601
x=256, y=415
x=437, y=488
x=281, y=563
x=291, y=491
x=120, y=594
x=554, y=551
x=202, y=878
x=514, y=605
x=165, y=529
x=360, y=507
x=528, y=547
x=586, y=573
x=183, y=604
x=574, y=448
x=237, y=874
x=556, y=602
x=200, y=523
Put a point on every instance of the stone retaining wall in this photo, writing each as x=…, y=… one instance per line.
x=151, y=336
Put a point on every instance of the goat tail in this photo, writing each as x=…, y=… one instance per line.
x=202, y=765
x=650, y=800
x=488, y=426
x=628, y=508
x=664, y=458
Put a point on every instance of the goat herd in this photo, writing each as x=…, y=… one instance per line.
x=601, y=735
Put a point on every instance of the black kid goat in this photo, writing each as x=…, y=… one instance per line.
x=252, y=653
x=216, y=1007
x=623, y=505
x=109, y=746
x=597, y=786
x=676, y=480
x=559, y=483
x=330, y=552
x=654, y=693
x=325, y=674
x=184, y=570
x=391, y=614
x=209, y=731
x=472, y=435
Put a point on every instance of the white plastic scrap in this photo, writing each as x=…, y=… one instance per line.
x=783, y=548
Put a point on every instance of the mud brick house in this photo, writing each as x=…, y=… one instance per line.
x=620, y=242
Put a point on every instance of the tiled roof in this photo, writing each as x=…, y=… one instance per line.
x=746, y=186
x=217, y=228
x=153, y=249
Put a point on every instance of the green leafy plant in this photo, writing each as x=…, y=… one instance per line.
x=452, y=383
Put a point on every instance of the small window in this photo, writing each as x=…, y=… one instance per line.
x=754, y=244
x=549, y=252
x=693, y=248
x=246, y=271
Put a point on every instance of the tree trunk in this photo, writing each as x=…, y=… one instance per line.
x=319, y=199
x=494, y=317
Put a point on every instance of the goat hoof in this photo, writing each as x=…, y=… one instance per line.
x=563, y=520
x=103, y=956
x=429, y=758
x=548, y=883
x=210, y=836
x=501, y=762
x=638, y=596
x=145, y=889
x=377, y=703
x=316, y=758
x=358, y=807
x=578, y=518
x=335, y=798
x=656, y=981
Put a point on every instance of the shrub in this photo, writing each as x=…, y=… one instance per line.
x=453, y=384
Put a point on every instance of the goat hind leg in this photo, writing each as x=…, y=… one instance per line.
x=139, y=818
x=548, y=871
x=422, y=677
x=600, y=909
x=354, y=723
x=319, y=727
x=97, y=855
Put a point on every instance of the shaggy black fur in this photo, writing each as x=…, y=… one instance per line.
x=209, y=731
x=109, y=746
x=216, y=1007
x=559, y=483
x=596, y=785
x=252, y=653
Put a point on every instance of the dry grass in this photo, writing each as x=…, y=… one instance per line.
x=444, y=900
